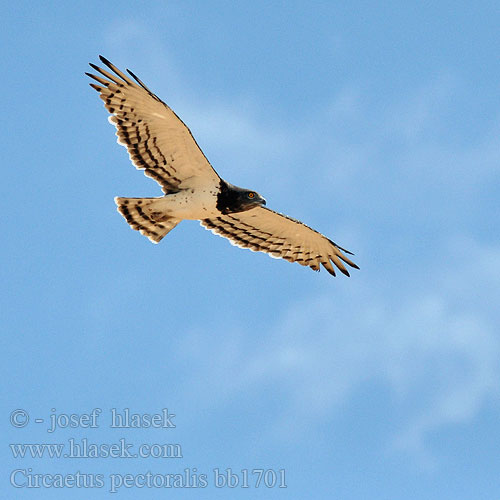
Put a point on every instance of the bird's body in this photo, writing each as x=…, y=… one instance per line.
x=187, y=204
x=159, y=143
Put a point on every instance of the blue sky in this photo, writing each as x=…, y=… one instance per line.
x=377, y=124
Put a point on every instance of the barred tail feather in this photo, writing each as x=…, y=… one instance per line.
x=141, y=216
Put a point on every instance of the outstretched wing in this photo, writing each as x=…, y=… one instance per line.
x=157, y=140
x=263, y=230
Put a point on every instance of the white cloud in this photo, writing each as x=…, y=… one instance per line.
x=438, y=353
x=409, y=139
x=136, y=45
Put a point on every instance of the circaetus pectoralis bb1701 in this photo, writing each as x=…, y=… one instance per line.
x=159, y=143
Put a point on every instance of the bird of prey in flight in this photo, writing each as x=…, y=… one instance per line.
x=159, y=143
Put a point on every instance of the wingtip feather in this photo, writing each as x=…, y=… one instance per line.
x=131, y=73
x=138, y=80
x=345, y=271
x=328, y=266
x=104, y=60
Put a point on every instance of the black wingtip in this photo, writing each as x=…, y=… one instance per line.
x=133, y=75
x=141, y=83
x=344, y=271
x=332, y=271
x=344, y=250
x=339, y=247
x=104, y=60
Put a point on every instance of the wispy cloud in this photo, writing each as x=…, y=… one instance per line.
x=438, y=353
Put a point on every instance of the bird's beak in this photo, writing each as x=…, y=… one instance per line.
x=262, y=201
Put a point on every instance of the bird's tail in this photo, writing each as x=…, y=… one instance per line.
x=140, y=213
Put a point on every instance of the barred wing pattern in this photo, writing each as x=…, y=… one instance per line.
x=157, y=140
x=263, y=230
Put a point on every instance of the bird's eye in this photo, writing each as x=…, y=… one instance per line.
x=251, y=195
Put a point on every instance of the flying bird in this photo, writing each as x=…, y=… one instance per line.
x=161, y=145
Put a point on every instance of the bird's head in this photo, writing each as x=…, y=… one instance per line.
x=250, y=199
x=235, y=199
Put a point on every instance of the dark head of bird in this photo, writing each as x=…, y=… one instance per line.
x=233, y=199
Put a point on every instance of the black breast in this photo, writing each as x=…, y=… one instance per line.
x=229, y=198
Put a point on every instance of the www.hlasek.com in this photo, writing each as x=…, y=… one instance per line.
x=189, y=478
x=84, y=448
